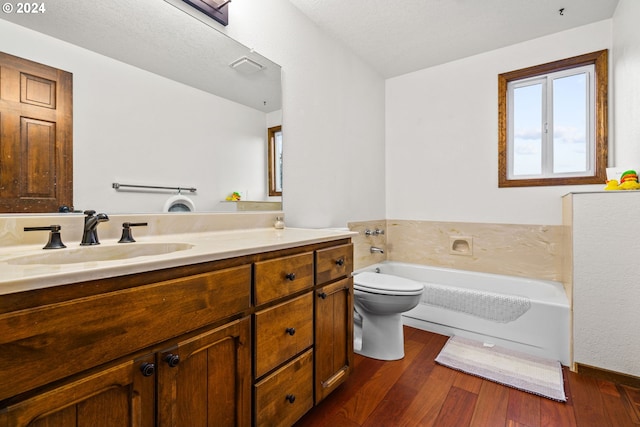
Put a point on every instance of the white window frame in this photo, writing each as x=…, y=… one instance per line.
x=547, y=127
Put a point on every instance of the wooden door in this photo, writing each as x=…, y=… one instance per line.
x=120, y=396
x=334, y=336
x=205, y=381
x=36, y=131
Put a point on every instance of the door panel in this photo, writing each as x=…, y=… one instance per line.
x=210, y=382
x=36, y=128
x=119, y=396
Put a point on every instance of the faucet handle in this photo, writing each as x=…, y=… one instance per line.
x=127, y=237
x=55, y=241
x=89, y=212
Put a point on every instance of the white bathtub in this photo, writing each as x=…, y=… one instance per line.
x=537, y=319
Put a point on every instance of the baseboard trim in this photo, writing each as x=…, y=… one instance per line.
x=604, y=374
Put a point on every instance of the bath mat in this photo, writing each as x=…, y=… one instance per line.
x=511, y=368
x=487, y=305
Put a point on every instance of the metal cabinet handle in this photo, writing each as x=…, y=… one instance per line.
x=322, y=295
x=340, y=262
x=148, y=369
x=290, y=276
x=291, y=331
x=172, y=360
x=291, y=398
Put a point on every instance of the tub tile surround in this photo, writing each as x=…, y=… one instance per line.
x=534, y=251
x=362, y=243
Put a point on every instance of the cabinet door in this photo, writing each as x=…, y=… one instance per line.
x=334, y=336
x=206, y=380
x=120, y=396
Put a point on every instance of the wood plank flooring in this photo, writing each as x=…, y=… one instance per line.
x=415, y=391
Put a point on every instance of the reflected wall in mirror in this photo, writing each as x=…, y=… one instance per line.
x=155, y=101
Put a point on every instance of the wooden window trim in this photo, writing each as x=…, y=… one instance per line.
x=272, y=159
x=600, y=60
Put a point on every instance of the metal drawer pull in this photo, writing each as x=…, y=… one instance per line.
x=147, y=369
x=291, y=276
x=322, y=295
x=291, y=398
x=172, y=360
x=291, y=331
x=340, y=262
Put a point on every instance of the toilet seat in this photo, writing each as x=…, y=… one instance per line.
x=386, y=284
x=179, y=203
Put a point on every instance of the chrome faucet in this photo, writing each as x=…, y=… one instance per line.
x=374, y=250
x=91, y=221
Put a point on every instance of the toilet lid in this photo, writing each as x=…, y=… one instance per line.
x=179, y=203
x=386, y=283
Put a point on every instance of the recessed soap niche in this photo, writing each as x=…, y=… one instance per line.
x=461, y=245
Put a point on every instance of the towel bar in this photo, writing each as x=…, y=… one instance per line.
x=154, y=187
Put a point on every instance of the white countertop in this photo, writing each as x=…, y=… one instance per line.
x=207, y=246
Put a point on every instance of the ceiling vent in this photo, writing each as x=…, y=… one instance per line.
x=245, y=65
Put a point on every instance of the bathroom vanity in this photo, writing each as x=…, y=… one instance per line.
x=246, y=328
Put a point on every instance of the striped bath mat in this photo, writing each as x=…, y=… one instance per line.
x=511, y=368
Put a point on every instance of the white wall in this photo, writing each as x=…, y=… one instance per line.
x=333, y=116
x=442, y=136
x=626, y=69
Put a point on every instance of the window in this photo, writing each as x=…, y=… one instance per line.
x=275, y=160
x=553, y=123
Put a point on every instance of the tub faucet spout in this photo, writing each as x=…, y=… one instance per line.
x=375, y=250
x=91, y=221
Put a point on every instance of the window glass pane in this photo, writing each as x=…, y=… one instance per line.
x=527, y=130
x=570, y=124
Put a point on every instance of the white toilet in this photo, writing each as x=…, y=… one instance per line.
x=379, y=300
x=179, y=203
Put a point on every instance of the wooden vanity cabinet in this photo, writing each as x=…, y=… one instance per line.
x=204, y=380
x=256, y=340
x=283, y=363
x=304, y=336
x=188, y=337
x=333, y=318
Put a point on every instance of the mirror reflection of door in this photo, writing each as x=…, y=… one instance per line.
x=275, y=160
x=36, y=131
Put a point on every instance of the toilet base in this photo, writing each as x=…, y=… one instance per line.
x=382, y=336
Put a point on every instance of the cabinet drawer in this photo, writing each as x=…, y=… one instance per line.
x=287, y=394
x=94, y=330
x=280, y=277
x=333, y=263
x=282, y=332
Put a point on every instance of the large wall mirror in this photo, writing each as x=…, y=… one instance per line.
x=160, y=98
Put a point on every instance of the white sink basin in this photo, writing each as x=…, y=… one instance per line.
x=99, y=253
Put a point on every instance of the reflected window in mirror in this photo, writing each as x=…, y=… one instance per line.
x=275, y=160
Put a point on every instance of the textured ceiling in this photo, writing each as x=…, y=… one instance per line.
x=400, y=36
x=394, y=36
